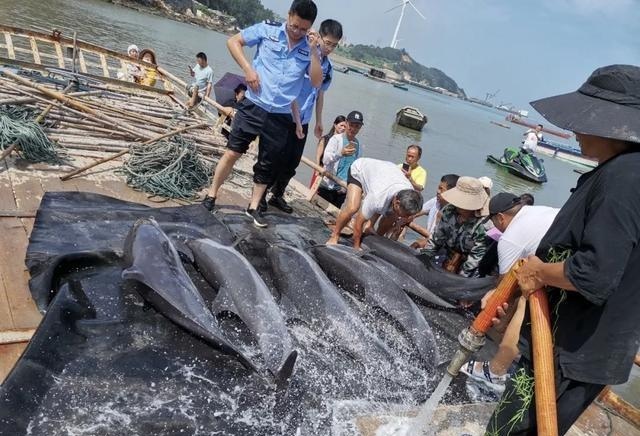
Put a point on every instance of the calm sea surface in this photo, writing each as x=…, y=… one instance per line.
x=457, y=138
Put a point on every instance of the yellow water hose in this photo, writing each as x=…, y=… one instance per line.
x=543, y=366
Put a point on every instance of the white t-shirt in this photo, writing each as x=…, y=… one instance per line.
x=523, y=235
x=381, y=181
x=531, y=140
x=431, y=207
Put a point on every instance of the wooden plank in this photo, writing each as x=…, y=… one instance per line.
x=16, y=31
x=6, y=320
x=7, y=199
x=9, y=355
x=59, y=54
x=28, y=223
x=14, y=336
x=105, y=67
x=9, y=41
x=34, y=50
x=28, y=192
x=17, y=214
x=81, y=62
x=15, y=276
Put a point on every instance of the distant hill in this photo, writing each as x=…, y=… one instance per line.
x=247, y=12
x=399, y=61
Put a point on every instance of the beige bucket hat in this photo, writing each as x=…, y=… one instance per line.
x=469, y=194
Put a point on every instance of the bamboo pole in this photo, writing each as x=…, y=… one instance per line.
x=614, y=402
x=127, y=114
x=108, y=123
x=27, y=100
x=322, y=171
x=543, y=364
x=71, y=102
x=125, y=151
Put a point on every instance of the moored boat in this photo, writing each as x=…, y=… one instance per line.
x=411, y=117
x=565, y=152
x=518, y=120
x=401, y=86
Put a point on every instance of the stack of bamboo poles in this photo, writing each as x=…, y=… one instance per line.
x=97, y=120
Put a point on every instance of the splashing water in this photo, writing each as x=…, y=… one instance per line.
x=421, y=424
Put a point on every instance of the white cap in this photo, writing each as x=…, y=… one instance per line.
x=133, y=47
x=486, y=182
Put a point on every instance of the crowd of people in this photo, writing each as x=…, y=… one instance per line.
x=585, y=254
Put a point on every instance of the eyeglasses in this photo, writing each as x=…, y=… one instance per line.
x=296, y=29
x=329, y=44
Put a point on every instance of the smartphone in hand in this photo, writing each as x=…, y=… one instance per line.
x=406, y=167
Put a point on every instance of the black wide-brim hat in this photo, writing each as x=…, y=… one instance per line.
x=607, y=105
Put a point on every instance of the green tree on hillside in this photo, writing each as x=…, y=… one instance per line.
x=247, y=12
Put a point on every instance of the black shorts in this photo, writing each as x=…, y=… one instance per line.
x=247, y=124
x=352, y=180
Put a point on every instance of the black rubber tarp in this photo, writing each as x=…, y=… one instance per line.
x=103, y=362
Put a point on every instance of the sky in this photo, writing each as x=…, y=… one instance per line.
x=524, y=49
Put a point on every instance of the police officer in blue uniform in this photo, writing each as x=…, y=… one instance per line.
x=309, y=98
x=284, y=55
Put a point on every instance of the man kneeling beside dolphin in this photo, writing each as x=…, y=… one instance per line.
x=388, y=194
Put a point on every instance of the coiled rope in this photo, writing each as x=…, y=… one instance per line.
x=17, y=127
x=170, y=169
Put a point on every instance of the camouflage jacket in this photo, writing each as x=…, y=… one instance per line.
x=468, y=238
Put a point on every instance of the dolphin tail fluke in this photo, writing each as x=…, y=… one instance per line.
x=185, y=253
x=223, y=303
x=283, y=375
x=132, y=273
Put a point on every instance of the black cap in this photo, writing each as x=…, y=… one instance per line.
x=502, y=202
x=355, y=117
x=606, y=105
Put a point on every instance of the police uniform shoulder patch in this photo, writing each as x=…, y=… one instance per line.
x=272, y=23
x=303, y=52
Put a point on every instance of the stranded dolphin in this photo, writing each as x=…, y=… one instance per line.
x=405, y=281
x=308, y=295
x=152, y=260
x=242, y=291
x=347, y=269
x=445, y=284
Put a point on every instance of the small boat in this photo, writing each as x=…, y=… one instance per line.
x=524, y=165
x=344, y=70
x=518, y=120
x=401, y=86
x=565, y=152
x=411, y=117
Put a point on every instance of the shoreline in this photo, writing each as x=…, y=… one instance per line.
x=173, y=15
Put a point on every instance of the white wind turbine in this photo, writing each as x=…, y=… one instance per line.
x=403, y=5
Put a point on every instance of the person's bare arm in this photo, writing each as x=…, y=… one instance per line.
x=358, y=226
x=422, y=231
x=207, y=91
x=295, y=114
x=315, y=69
x=320, y=151
x=235, y=45
x=319, y=105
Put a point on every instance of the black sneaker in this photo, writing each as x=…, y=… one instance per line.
x=209, y=203
x=258, y=221
x=280, y=204
x=262, y=206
